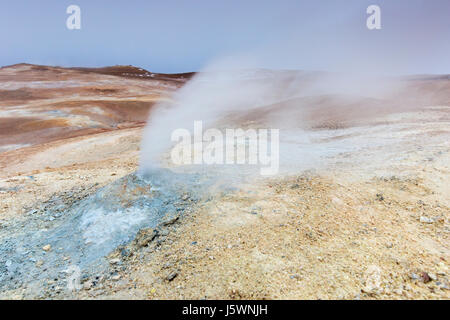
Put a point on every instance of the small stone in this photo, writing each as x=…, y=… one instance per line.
x=98, y=293
x=171, y=276
x=379, y=197
x=443, y=269
x=443, y=286
x=337, y=201
x=46, y=247
x=114, y=261
x=170, y=219
x=87, y=285
x=425, y=277
x=373, y=280
x=145, y=236
x=414, y=276
x=398, y=291
x=125, y=253
x=116, y=277
x=39, y=263
x=432, y=276
x=425, y=220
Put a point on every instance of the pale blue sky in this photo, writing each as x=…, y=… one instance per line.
x=183, y=35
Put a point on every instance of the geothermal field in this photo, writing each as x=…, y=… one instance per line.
x=92, y=207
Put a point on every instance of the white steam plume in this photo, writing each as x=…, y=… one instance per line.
x=233, y=89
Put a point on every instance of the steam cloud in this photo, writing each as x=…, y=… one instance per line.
x=232, y=93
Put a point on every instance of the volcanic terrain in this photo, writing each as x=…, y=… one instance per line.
x=370, y=221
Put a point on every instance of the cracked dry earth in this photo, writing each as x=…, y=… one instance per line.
x=375, y=230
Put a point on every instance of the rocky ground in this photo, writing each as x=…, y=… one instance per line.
x=365, y=224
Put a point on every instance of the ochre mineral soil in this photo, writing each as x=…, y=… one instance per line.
x=372, y=224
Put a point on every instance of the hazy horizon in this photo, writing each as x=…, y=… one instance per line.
x=201, y=70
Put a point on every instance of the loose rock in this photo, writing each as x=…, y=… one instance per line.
x=145, y=236
x=425, y=277
x=171, y=276
x=426, y=220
